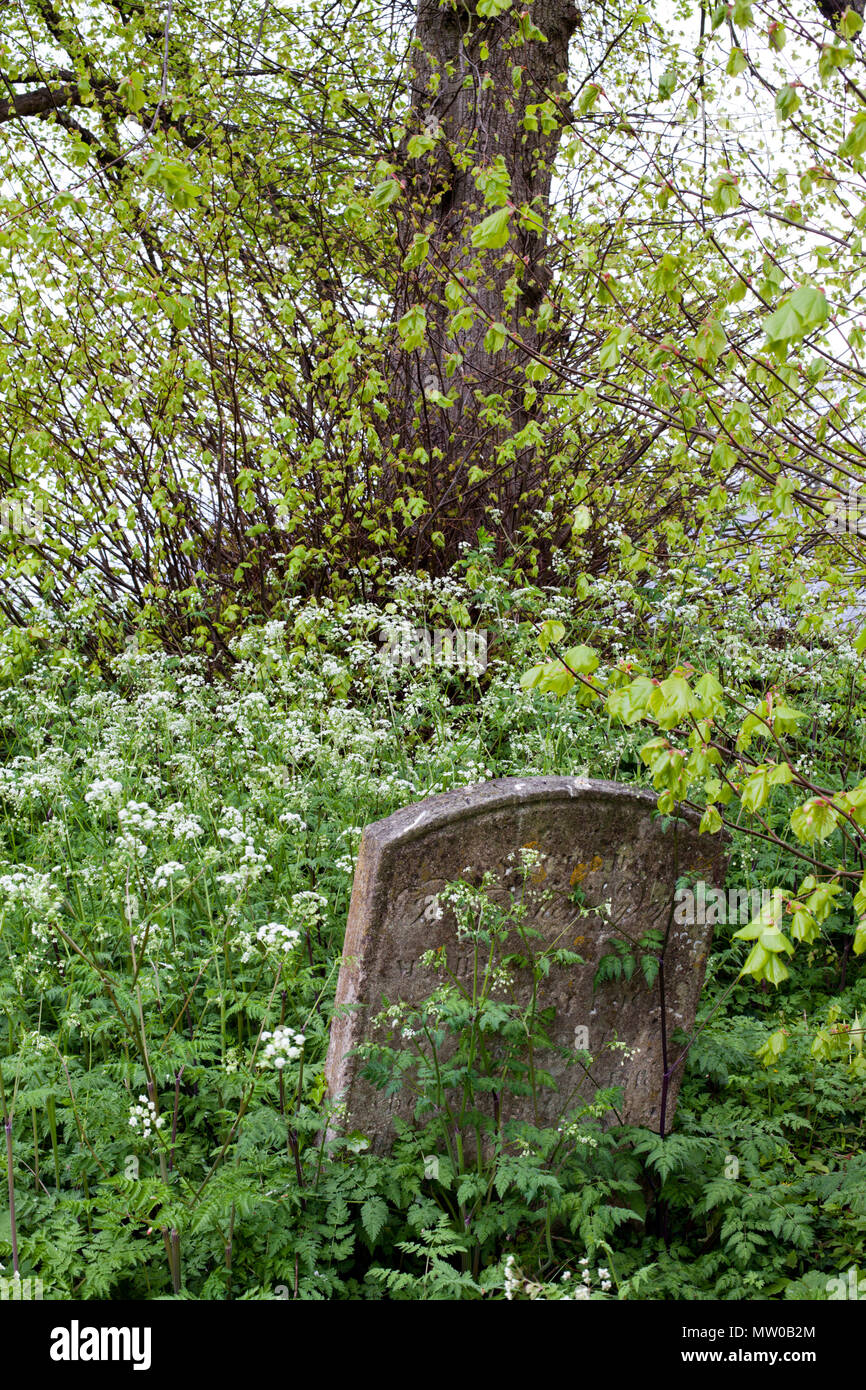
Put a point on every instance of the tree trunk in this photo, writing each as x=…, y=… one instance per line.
x=484, y=149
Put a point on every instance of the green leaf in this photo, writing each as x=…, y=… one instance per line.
x=494, y=231
x=755, y=790
x=814, y=820
x=174, y=178
x=855, y=141
x=678, y=701
x=588, y=97
x=555, y=679
x=374, y=1214
x=800, y=313
x=412, y=327
x=665, y=763
x=552, y=631
x=725, y=194
x=773, y=1048
x=832, y=57
x=385, y=192
x=709, y=693
x=530, y=220
x=709, y=342
x=419, y=146
x=494, y=181
x=711, y=822
x=180, y=310
x=530, y=679
x=632, y=702
x=737, y=62
x=784, y=718
x=463, y=319
x=610, y=353
x=417, y=253
x=582, y=660
x=787, y=101
x=780, y=775
x=131, y=91
x=765, y=965
x=667, y=84
x=803, y=925
x=495, y=338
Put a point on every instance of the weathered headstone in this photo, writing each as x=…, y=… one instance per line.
x=602, y=837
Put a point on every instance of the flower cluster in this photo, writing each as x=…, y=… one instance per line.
x=182, y=823
x=602, y=1274
x=143, y=1116
x=516, y=1282
x=281, y=1046
x=475, y=913
x=273, y=936
x=33, y=890
x=307, y=908
x=104, y=791
x=252, y=861
x=135, y=816
x=578, y=1135
x=138, y=815
x=164, y=873
x=28, y=779
x=130, y=845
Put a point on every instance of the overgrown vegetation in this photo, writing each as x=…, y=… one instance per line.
x=178, y=856
x=321, y=321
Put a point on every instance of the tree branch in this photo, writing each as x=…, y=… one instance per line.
x=42, y=102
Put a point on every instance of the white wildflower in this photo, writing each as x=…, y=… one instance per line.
x=143, y=1116
x=281, y=1046
x=103, y=791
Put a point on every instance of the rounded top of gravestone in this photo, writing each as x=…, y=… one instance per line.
x=503, y=792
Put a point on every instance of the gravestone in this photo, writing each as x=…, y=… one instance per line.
x=602, y=838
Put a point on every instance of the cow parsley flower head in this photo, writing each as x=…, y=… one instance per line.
x=103, y=791
x=138, y=815
x=281, y=1046
x=308, y=908
x=164, y=873
x=273, y=936
x=143, y=1116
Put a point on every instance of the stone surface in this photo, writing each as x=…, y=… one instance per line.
x=601, y=836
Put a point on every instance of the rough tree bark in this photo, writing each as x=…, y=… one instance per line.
x=477, y=78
